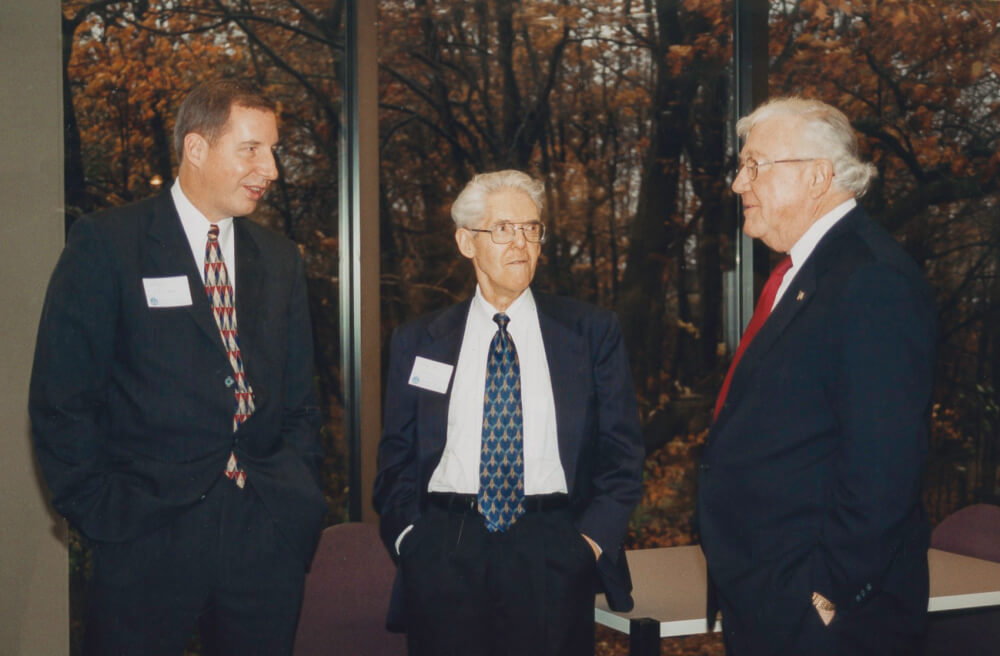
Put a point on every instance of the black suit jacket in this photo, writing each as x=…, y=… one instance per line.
x=600, y=445
x=811, y=475
x=131, y=405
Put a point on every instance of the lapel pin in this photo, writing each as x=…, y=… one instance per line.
x=801, y=295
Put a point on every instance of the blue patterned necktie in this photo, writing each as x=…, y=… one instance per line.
x=220, y=294
x=501, y=463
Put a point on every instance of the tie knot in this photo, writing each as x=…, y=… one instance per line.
x=501, y=320
x=782, y=267
x=213, y=233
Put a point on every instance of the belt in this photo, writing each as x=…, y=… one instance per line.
x=469, y=503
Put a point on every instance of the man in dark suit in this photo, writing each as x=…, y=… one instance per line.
x=511, y=456
x=809, y=503
x=181, y=442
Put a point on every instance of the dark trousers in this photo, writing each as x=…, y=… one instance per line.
x=221, y=566
x=527, y=591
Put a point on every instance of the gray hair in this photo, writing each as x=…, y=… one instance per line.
x=826, y=134
x=470, y=207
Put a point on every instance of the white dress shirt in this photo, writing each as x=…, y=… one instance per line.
x=196, y=227
x=806, y=244
x=458, y=470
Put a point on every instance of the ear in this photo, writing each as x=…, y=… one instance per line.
x=195, y=148
x=465, y=245
x=820, y=177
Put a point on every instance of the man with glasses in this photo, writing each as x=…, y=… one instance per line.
x=809, y=505
x=511, y=455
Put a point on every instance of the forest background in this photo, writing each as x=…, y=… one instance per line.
x=625, y=108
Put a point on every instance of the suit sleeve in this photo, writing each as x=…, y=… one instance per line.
x=301, y=417
x=397, y=481
x=881, y=394
x=70, y=374
x=616, y=481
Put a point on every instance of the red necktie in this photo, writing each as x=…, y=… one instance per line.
x=220, y=294
x=760, y=315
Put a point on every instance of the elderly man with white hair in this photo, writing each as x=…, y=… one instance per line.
x=809, y=505
x=511, y=456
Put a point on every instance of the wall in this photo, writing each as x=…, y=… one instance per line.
x=34, y=597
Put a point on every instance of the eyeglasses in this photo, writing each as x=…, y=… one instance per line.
x=503, y=233
x=751, y=165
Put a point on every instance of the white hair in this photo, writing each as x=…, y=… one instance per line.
x=826, y=134
x=469, y=208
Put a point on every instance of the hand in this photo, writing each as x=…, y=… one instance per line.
x=594, y=546
x=824, y=607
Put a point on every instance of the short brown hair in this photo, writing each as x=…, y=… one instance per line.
x=206, y=108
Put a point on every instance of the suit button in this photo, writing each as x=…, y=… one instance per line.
x=230, y=381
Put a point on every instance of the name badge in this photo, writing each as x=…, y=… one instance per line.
x=168, y=292
x=431, y=375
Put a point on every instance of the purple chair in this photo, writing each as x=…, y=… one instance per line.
x=347, y=595
x=972, y=531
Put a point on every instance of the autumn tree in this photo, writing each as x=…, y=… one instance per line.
x=620, y=108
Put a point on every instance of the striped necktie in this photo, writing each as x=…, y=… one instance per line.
x=220, y=294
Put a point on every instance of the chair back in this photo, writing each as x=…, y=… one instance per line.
x=972, y=531
x=346, y=596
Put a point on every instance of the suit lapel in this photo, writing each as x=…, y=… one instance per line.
x=170, y=255
x=793, y=301
x=446, y=332
x=795, y=298
x=249, y=292
x=564, y=352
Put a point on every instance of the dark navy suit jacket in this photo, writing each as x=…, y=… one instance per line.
x=600, y=445
x=811, y=475
x=131, y=405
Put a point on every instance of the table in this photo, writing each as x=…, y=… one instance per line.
x=670, y=593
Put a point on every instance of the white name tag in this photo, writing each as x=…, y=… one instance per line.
x=172, y=291
x=431, y=375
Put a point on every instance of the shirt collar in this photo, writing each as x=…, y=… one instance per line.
x=522, y=307
x=804, y=247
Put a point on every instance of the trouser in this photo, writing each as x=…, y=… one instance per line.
x=527, y=591
x=221, y=566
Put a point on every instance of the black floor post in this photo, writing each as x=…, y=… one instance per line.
x=644, y=637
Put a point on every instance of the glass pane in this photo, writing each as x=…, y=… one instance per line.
x=623, y=109
x=921, y=82
x=128, y=66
